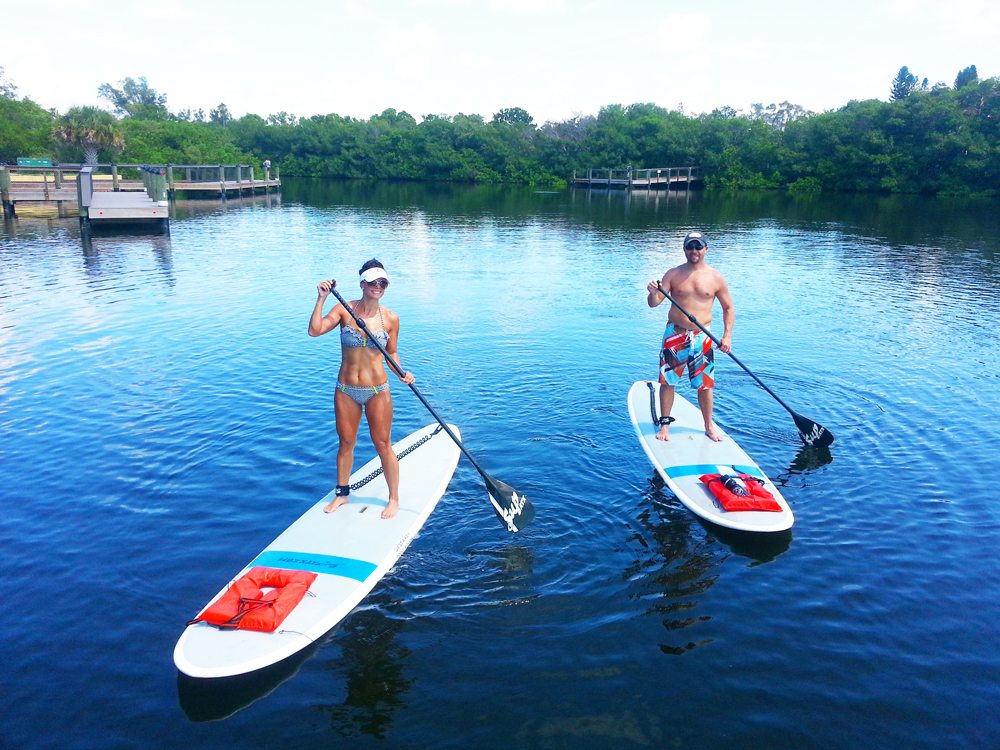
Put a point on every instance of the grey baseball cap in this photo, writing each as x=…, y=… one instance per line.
x=695, y=240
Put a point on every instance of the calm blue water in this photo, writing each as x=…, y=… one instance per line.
x=164, y=416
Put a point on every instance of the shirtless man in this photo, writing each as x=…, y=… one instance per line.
x=695, y=286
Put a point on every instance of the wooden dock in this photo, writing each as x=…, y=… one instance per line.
x=60, y=183
x=658, y=178
x=127, y=208
x=147, y=208
x=218, y=180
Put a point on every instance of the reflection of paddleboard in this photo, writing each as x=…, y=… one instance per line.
x=689, y=454
x=350, y=550
x=213, y=700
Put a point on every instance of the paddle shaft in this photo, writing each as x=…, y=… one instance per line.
x=718, y=343
x=796, y=417
x=399, y=371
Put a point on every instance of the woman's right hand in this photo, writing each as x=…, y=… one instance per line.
x=325, y=287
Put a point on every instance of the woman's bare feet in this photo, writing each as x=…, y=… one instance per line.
x=334, y=504
x=391, y=509
x=664, y=433
x=713, y=434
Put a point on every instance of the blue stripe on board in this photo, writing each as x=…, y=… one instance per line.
x=347, y=567
x=698, y=469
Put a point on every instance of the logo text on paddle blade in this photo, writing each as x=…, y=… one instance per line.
x=510, y=513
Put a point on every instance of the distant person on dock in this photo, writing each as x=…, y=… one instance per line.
x=695, y=286
x=362, y=383
x=267, y=168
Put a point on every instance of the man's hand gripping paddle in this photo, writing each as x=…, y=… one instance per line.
x=813, y=433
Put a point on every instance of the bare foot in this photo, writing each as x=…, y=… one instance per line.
x=391, y=509
x=664, y=433
x=334, y=504
x=712, y=434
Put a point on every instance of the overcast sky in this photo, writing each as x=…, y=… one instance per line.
x=554, y=58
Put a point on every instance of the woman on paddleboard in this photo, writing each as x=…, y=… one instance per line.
x=362, y=383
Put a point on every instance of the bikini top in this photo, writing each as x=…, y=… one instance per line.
x=352, y=338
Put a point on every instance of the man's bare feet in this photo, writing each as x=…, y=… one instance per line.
x=334, y=504
x=665, y=422
x=391, y=509
x=712, y=434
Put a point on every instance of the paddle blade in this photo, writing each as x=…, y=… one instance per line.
x=511, y=507
x=813, y=434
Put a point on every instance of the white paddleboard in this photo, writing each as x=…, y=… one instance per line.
x=690, y=453
x=350, y=550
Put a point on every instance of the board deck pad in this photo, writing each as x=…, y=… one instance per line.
x=350, y=550
x=690, y=453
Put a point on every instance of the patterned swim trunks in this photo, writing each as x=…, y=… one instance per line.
x=685, y=348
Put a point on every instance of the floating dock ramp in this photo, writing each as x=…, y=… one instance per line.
x=105, y=208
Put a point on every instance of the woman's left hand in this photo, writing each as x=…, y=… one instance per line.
x=407, y=377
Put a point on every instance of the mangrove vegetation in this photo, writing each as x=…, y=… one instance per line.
x=939, y=139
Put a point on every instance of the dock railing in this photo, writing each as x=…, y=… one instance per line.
x=629, y=178
x=57, y=182
x=228, y=177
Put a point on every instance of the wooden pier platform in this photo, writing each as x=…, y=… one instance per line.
x=657, y=178
x=110, y=208
x=126, y=208
x=59, y=183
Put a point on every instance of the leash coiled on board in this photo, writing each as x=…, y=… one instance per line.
x=400, y=455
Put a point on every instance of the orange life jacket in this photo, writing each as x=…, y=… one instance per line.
x=758, y=499
x=247, y=607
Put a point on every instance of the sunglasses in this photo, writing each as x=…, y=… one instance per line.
x=694, y=246
x=383, y=283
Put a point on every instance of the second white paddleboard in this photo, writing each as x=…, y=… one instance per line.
x=690, y=453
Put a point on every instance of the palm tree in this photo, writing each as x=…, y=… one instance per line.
x=90, y=128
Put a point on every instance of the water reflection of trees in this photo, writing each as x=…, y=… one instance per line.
x=372, y=663
x=899, y=221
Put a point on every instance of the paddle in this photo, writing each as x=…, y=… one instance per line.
x=811, y=432
x=511, y=506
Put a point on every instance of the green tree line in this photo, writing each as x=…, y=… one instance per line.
x=940, y=139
